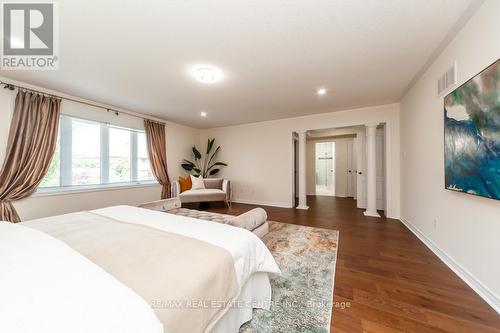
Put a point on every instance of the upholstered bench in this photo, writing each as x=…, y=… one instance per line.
x=254, y=220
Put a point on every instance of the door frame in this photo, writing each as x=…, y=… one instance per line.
x=389, y=210
x=295, y=185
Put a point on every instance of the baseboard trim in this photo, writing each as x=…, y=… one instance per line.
x=483, y=291
x=263, y=203
x=372, y=214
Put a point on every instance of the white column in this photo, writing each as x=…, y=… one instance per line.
x=371, y=170
x=302, y=171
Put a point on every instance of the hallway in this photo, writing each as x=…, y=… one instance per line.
x=392, y=281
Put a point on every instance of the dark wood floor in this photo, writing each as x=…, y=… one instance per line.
x=391, y=281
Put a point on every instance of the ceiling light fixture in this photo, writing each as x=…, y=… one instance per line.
x=321, y=92
x=203, y=114
x=207, y=74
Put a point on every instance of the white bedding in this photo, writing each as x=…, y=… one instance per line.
x=43, y=279
x=250, y=254
x=45, y=286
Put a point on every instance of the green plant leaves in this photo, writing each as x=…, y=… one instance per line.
x=213, y=155
x=187, y=167
x=197, y=154
x=206, y=167
x=210, y=144
x=216, y=164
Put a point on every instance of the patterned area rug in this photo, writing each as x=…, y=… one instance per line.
x=302, y=296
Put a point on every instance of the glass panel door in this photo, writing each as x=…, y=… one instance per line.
x=325, y=157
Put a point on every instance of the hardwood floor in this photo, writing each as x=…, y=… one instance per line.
x=391, y=281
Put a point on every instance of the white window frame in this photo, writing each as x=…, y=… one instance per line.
x=65, y=171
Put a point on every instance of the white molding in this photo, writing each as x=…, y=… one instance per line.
x=482, y=290
x=263, y=203
x=372, y=214
x=302, y=207
x=372, y=124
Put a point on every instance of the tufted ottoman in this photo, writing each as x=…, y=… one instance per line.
x=254, y=220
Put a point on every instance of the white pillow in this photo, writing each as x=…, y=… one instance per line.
x=197, y=183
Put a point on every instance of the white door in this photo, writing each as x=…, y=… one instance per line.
x=360, y=169
x=350, y=169
x=296, y=168
x=380, y=146
x=354, y=168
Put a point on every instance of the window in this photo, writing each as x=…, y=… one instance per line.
x=94, y=153
x=119, y=154
x=143, y=168
x=52, y=178
x=85, y=156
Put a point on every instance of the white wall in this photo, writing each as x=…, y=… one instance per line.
x=179, y=141
x=260, y=154
x=467, y=234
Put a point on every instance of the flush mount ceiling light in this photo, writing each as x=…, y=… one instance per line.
x=203, y=114
x=207, y=74
x=321, y=92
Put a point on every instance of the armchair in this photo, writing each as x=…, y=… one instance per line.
x=216, y=189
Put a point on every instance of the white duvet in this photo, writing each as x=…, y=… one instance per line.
x=45, y=286
x=250, y=254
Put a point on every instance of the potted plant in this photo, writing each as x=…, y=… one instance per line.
x=206, y=166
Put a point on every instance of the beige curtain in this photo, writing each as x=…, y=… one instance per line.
x=157, y=152
x=30, y=147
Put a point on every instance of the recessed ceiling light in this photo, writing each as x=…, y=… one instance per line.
x=203, y=114
x=321, y=92
x=207, y=74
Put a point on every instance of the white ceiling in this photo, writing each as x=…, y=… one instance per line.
x=275, y=54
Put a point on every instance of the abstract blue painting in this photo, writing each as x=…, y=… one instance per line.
x=472, y=135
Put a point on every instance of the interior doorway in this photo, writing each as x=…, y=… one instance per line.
x=336, y=164
x=325, y=168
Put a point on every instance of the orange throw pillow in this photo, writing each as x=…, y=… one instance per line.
x=185, y=183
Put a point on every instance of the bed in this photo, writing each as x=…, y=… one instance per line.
x=129, y=269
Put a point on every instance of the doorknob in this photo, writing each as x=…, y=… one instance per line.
x=360, y=173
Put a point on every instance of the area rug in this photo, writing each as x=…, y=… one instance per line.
x=302, y=295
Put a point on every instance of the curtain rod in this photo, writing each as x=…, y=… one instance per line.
x=12, y=86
